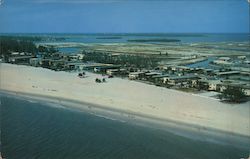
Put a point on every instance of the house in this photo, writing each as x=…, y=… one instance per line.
x=105, y=68
x=224, y=58
x=112, y=72
x=174, y=80
x=247, y=62
x=80, y=56
x=136, y=75
x=53, y=64
x=207, y=71
x=35, y=61
x=227, y=74
x=160, y=78
x=246, y=89
x=149, y=75
x=223, y=61
x=15, y=53
x=242, y=57
x=20, y=59
x=75, y=66
x=176, y=68
x=213, y=85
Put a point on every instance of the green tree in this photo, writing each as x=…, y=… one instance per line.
x=233, y=94
x=201, y=85
x=42, y=49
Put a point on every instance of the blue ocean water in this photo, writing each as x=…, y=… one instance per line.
x=105, y=38
x=33, y=130
x=124, y=37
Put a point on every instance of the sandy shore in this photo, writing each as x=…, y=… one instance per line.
x=129, y=96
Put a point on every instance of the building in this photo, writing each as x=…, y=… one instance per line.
x=212, y=85
x=242, y=57
x=176, y=68
x=75, y=66
x=160, y=78
x=136, y=75
x=35, y=61
x=228, y=73
x=223, y=61
x=149, y=75
x=175, y=80
x=103, y=69
x=80, y=56
x=243, y=76
x=52, y=64
x=224, y=58
x=244, y=86
x=112, y=72
x=20, y=59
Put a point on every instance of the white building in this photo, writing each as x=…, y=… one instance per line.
x=135, y=75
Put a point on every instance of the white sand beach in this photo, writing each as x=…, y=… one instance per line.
x=131, y=96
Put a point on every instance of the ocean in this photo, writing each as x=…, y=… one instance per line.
x=154, y=38
x=125, y=37
x=35, y=130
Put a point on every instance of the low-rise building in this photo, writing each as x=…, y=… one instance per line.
x=75, y=66
x=176, y=68
x=228, y=73
x=35, y=61
x=212, y=85
x=54, y=64
x=103, y=69
x=244, y=86
x=224, y=58
x=149, y=75
x=174, y=80
x=112, y=72
x=160, y=78
x=136, y=75
x=242, y=57
x=20, y=59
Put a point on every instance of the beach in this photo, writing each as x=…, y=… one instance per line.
x=127, y=97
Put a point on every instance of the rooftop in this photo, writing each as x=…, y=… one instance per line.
x=228, y=73
x=183, y=77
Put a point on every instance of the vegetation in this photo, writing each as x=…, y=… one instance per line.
x=201, y=85
x=233, y=94
x=11, y=44
x=44, y=49
x=22, y=38
x=136, y=61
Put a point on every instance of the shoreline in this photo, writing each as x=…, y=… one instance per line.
x=122, y=96
x=191, y=131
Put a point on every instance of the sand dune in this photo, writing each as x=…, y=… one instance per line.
x=131, y=96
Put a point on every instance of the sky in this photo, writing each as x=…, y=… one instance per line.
x=124, y=16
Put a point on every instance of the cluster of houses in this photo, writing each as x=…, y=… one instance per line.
x=168, y=75
x=184, y=77
x=55, y=61
x=201, y=78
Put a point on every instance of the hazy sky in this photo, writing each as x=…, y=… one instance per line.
x=91, y=16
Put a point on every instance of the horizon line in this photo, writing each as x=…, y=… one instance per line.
x=124, y=32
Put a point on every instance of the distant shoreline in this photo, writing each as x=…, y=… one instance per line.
x=190, y=131
x=109, y=37
x=154, y=40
